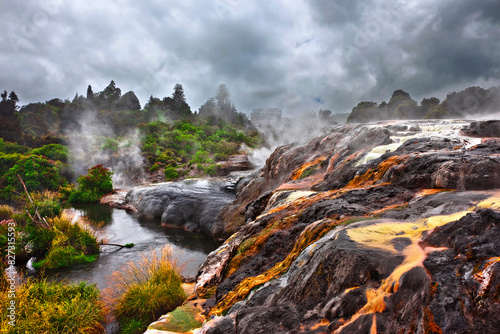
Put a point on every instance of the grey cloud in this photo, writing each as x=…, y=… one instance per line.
x=298, y=56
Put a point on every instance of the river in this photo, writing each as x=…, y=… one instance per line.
x=119, y=227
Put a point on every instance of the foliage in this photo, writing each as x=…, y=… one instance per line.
x=37, y=173
x=6, y=212
x=47, y=203
x=141, y=292
x=171, y=173
x=55, y=152
x=93, y=186
x=8, y=147
x=194, y=143
x=45, y=307
x=70, y=244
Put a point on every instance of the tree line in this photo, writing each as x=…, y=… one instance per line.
x=471, y=101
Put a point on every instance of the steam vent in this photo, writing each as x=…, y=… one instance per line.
x=381, y=228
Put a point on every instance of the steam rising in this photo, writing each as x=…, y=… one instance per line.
x=288, y=131
x=92, y=142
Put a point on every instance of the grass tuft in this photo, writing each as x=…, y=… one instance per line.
x=45, y=307
x=143, y=291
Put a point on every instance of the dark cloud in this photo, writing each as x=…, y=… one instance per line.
x=298, y=56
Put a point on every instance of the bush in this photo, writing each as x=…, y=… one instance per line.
x=142, y=292
x=70, y=244
x=8, y=147
x=55, y=152
x=44, y=307
x=211, y=170
x=47, y=204
x=7, y=161
x=93, y=186
x=171, y=173
x=37, y=173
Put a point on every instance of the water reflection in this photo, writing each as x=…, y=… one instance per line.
x=119, y=227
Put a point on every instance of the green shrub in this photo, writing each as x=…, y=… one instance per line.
x=93, y=186
x=211, y=170
x=45, y=307
x=110, y=145
x=7, y=161
x=8, y=147
x=143, y=292
x=37, y=173
x=70, y=244
x=220, y=157
x=200, y=157
x=55, y=152
x=171, y=173
x=168, y=157
x=47, y=203
x=154, y=168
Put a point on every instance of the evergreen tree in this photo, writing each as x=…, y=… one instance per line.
x=90, y=93
x=4, y=95
x=178, y=94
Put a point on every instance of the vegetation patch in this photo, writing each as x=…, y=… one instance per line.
x=93, y=186
x=44, y=307
x=183, y=319
x=70, y=244
x=142, y=292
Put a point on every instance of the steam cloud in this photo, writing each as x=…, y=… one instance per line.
x=92, y=142
x=288, y=131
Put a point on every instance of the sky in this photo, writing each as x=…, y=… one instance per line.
x=295, y=55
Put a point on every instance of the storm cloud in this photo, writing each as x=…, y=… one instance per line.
x=297, y=56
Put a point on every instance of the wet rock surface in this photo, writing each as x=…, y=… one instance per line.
x=379, y=228
x=193, y=205
x=483, y=129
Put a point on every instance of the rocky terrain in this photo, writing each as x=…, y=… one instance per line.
x=378, y=228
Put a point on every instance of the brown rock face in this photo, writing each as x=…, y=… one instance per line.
x=381, y=228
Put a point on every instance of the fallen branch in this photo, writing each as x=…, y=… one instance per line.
x=117, y=245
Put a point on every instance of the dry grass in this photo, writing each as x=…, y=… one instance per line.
x=143, y=291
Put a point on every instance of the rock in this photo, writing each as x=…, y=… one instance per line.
x=191, y=204
x=117, y=199
x=483, y=129
x=235, y=163
x=367, y=228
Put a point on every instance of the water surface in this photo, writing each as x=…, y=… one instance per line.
x=119, y=227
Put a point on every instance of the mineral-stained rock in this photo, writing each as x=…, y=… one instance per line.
x=367, y=228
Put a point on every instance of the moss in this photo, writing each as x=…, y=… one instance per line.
x=308, y=172
x=181, y=320
x=245, y=245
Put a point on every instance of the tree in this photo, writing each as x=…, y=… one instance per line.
x=111, y=93
x=90, y=93
x=129, y=101
x=223, y=99
x=13, y=97
x=178, y=94
x=93, y=186
x=365, y=111
x=427, y=104
x=209, y=108
x=10, y=122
